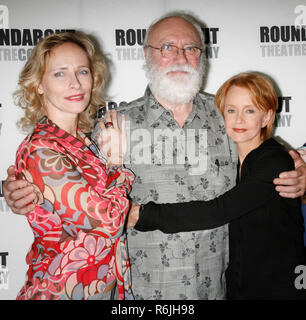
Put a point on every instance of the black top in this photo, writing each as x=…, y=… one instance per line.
x=265, y=233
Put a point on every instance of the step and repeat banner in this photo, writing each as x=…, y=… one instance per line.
x=268, y=36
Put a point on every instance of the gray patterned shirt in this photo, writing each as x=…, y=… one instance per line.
x=186, y=265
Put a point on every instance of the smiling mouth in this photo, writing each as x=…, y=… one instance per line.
x=78, y=97
x=239, y=130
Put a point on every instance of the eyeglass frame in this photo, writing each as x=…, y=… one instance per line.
x=177, y=50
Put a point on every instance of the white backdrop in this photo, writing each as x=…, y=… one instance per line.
x=262, y=35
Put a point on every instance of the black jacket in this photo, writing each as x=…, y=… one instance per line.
x=265, y=231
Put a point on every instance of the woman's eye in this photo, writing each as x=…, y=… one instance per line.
x=250, y=111
x=59, y=74
x=84, y=71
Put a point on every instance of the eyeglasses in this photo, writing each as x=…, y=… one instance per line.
x=171, y=51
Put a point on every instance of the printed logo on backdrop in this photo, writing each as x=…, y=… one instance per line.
x=4, y=274
x=1, y=191
x=129, y=43
x=211, y=41
x=285, y=41
x=17, y=44
x=283, y=114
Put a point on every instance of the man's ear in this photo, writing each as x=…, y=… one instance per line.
x=146, y=54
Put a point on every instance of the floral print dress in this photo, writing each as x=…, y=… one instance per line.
x=79, y=249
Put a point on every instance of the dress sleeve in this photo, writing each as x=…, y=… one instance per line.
x=99, y=207
x=254, y=191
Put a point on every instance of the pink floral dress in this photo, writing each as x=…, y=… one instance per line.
x=79, y=249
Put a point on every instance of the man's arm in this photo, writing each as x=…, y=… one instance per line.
x=19, y=194
x=292, y=184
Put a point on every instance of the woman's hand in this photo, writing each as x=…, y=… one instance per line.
x=112, y=139
x=133, y=215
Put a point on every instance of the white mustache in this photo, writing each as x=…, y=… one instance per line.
x=181, y=88
x=181, y=68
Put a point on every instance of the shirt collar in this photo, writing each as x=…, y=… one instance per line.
x=199, y=107
x=155, y=110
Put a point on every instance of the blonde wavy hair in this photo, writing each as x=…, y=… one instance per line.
x=27, y=96
x=261, y=92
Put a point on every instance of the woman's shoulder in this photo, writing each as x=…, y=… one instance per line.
x=35, y=141
x=271, y=158
x=271, y=148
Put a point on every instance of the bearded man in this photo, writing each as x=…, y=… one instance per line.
x=188, y=265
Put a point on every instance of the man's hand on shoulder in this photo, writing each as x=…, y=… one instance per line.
x=19, y=194
x=292, y=184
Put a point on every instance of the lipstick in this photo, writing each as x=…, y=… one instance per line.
x=77, y=97
x=239, y=130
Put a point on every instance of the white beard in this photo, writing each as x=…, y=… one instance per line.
x=177, y=89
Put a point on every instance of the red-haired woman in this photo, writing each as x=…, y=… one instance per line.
x=266, y=230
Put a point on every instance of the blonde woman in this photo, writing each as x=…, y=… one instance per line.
x=79, y=249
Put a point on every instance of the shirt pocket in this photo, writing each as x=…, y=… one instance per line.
x=220, y=170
